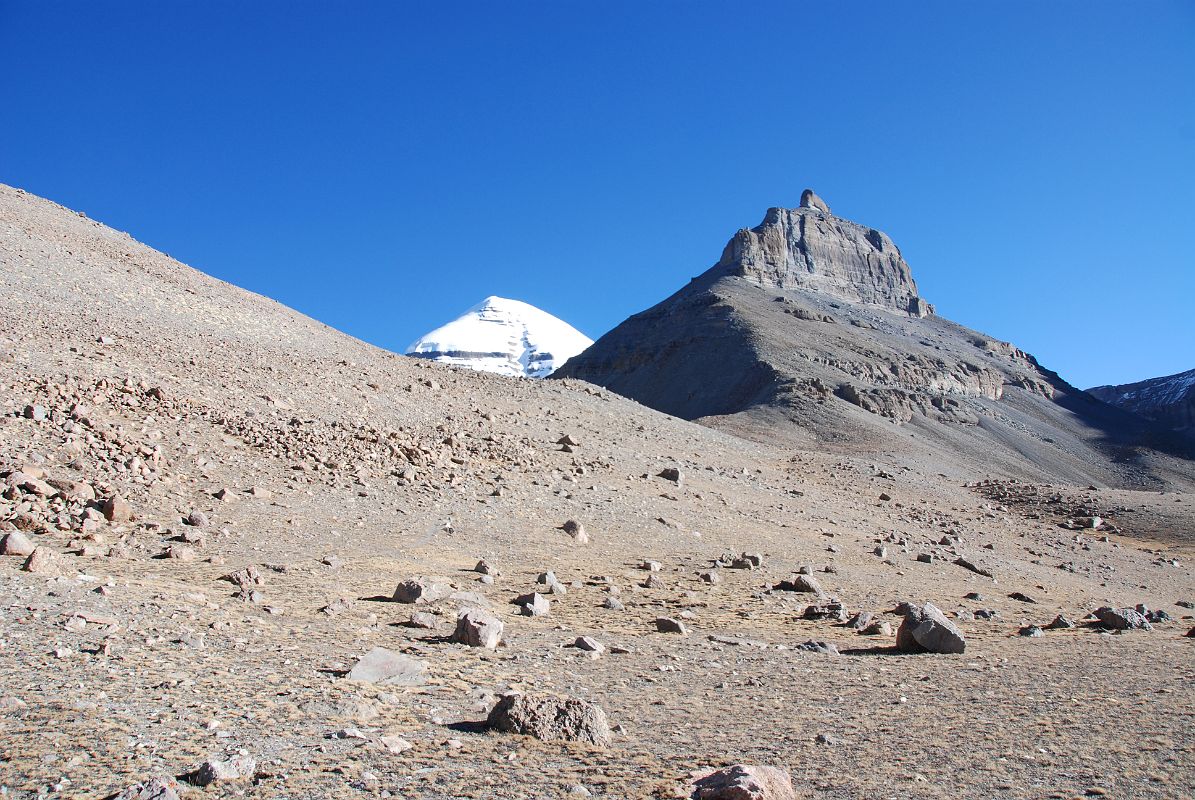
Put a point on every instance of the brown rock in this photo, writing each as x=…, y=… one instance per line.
x=551, y=718
x=117, y=510
x=16, y=544
x=43, y=561
x=744, y=782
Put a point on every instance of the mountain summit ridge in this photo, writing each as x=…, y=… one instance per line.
x=808, y=247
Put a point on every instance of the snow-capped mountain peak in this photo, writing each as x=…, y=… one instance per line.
x=508, y=337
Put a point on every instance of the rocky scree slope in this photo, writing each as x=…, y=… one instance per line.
x=1168, y=400
x=809, y=330
x=224, y=498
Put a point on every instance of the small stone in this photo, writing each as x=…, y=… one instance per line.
x=711, y=577
x=613, y=603
x=818, y=646
x=589, y=644
x=670, y=625
x=860, y=620
x=246, y=577
x=877, y=628
x=654, y=582
x=650, y=566
x=395, y=744
x=551, y=719
x=197, y=519
x=153, y=789
x=885, y=497
x=37, y=413
x=1031, y=631
x=1061, y=622
x=1022, y=597
x=179, y=553
x=576, y=530
x=925, y=558
x=880, y=551
x=485, y=568
x=972, y=567
x=337, y=607
x=670, y=474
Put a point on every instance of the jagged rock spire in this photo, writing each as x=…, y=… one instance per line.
x=809, y=199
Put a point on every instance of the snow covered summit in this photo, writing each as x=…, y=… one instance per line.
x=503, y=336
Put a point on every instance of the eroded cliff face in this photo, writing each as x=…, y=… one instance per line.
x=810, y=248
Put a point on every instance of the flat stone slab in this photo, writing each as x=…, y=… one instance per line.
x=388, y=668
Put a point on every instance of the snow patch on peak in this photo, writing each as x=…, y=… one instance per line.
x=505, y=336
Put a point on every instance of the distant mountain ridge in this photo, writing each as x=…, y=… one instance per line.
x=810, y=329
x=507, y=337
x=1169, y=400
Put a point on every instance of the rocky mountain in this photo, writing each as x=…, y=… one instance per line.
x=507, y=337
x=243, y=554
x=810, y=329
x=1169, y=400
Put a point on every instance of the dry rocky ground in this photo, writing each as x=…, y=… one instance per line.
x=161, y=430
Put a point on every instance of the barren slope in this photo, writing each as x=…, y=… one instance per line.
x=139, y=377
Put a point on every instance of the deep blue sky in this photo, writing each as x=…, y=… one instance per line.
x=384, y=166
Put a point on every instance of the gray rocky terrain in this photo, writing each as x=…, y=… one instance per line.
x=809, y=331
x=246, y=555
x=1169, y=400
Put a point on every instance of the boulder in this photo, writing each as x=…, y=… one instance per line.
x=551, y=718
x=801, y=583
x=420, y=590
x=387, y=668
x=1121, y=619
x=670, y=625
x=115, y=509
x=533, y=604
x=215, y=771
x=925, y=628
x=43, y=561
x=478, y=628
x=744, y=782
x=16, y=544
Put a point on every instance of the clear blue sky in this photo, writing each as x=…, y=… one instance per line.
x=383, y=166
